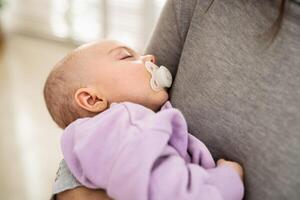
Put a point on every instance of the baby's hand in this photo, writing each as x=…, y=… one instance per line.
x=234, y=165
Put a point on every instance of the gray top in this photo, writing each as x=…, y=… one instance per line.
x=239, y=97
x=64, y=180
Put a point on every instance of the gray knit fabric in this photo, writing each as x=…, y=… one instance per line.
x=240, y=96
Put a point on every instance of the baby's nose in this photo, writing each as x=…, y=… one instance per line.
x=153, y=59
x=150, y=58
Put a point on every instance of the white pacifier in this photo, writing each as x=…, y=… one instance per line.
x=160, y=76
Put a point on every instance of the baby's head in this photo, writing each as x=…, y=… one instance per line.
x=95, y=75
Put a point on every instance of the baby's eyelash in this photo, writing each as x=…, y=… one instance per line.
x=126, y=57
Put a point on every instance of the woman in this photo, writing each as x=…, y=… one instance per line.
x=237, y=82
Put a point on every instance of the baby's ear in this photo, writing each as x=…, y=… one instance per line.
x=90, y=100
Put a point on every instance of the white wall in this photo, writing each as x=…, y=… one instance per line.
x=130, y=21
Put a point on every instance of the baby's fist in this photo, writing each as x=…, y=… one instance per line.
x=234, y=165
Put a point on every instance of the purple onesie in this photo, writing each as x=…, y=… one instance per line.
x=136, y=154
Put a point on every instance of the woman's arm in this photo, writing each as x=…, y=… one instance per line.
x=66, y=187
x=82, y=193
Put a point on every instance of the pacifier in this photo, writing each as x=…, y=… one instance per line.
x=160, y=76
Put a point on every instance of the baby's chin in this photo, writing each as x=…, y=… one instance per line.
x=165, y=96
x=159, y=99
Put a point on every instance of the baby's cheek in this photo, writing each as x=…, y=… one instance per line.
x=144, y=77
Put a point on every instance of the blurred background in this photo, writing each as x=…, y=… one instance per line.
x=34, y=35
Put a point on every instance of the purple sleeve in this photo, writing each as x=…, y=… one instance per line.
x=227, y=182
x=133, y=160
x=175, y=179
x=91, y=145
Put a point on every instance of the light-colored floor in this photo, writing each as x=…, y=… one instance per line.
x=29, y=140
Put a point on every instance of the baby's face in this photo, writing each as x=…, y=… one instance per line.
x=119, y=73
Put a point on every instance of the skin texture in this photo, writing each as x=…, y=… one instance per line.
x=115, y=74
x=234, y=165
x=82, y=193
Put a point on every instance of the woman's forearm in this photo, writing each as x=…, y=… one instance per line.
x=82, y=193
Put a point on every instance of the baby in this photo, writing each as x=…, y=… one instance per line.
x=123, y=135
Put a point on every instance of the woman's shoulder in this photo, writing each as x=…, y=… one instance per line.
x=185, y=11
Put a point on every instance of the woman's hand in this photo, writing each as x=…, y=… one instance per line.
x=234, y=165
x=82, y=193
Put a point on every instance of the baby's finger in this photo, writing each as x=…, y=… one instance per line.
x=220, y=161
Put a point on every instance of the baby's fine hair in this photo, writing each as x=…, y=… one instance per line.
x=59, y=91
